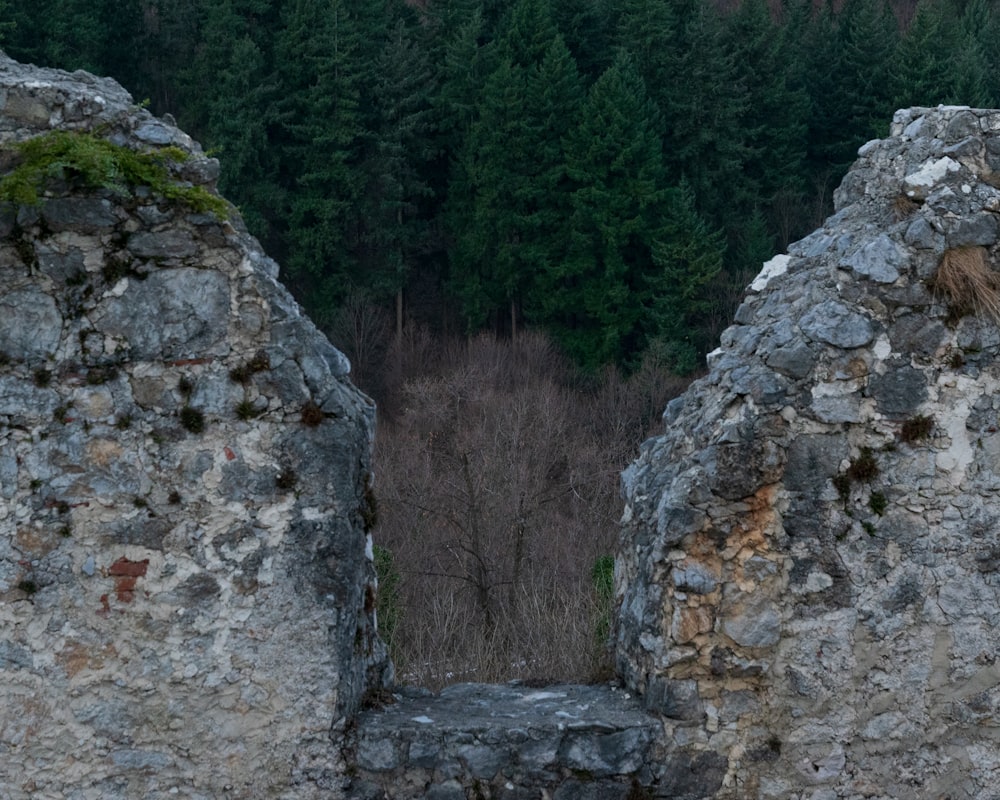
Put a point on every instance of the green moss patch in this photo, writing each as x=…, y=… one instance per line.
x=99, y=164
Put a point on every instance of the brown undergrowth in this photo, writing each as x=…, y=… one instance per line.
x=497, y=477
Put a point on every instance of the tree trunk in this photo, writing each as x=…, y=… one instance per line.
x=399, y=316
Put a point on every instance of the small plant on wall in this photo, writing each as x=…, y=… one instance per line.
x=286, y=479
x=967, y=281
x=878, y=502
x=369, y=505
x=916, y=428
x=903, y=207
x=192, y=419
x=388, y=600
x=246, y=410
x=864, y=468
x=312, y=414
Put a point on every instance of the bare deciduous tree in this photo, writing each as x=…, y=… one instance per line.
x=498, y=483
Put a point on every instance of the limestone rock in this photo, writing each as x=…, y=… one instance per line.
x=823, y=549
x=509, y=741
x=186, y=590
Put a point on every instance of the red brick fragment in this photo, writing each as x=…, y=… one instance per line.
x=127, y=568
x=125, y=588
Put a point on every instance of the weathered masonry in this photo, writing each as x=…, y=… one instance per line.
x=807, y=576
x=808, y=573
x=186, y=603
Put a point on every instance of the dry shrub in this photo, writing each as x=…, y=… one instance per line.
x=361, y=329
x=549, y=640
x=627, y=410
x=971, y=286
x=903, y=206
x=498, y=483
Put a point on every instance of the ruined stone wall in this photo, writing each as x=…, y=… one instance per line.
x=808, y=569
x=186, y=591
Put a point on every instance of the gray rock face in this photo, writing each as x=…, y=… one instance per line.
x=879, y=260
x=186, y=595
x=512, y=742
x=806, y=583
x=30, y=324
x=834, y=323
x=806, y=578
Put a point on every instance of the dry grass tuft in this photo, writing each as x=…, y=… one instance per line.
x=903, y=206
x=965, y=277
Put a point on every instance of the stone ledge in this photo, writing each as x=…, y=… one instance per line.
x=511, y=741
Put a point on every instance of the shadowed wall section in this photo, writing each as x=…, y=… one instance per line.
x=186, y=590
x=807, y=579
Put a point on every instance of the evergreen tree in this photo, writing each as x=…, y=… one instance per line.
x=100, y=36
x=868, y=35
x=687, y=256
x=234, y=112
x=597, y=300
x=319, y=128
x=7, y=23
x=443, y=18
x=461, y=61
x=682, y=57
x=755, y=246
x=462, y=69
x=821, y=75
x=822, y=61
x=846, y=61
x=586, y=28
x=981, y=47
x=392, y=231
x=970, y=76
x=508, y=201
x=651, y=32
x=170, y=39
x=925, y=57
x=527, y=32
x=774, y=118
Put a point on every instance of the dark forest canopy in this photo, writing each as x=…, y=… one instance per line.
x=613, y=171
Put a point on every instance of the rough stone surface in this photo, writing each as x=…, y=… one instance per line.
x=807, y=578
x=514, y=741
x=175, y=621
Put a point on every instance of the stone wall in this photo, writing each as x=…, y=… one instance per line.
x=186, y=590
x=513, y=742
x=808, y=577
